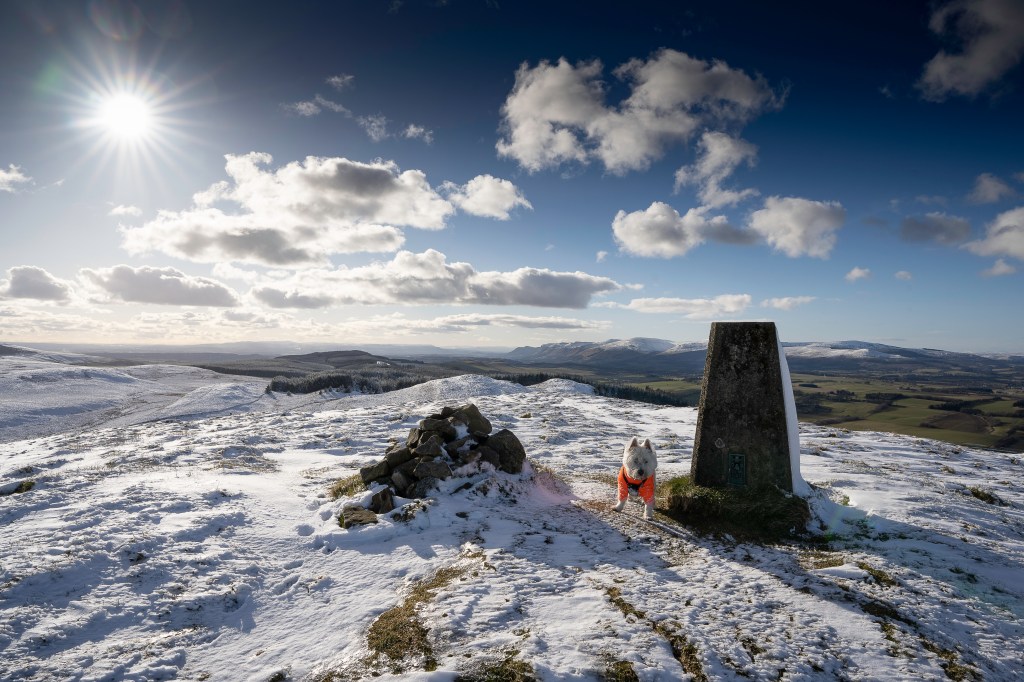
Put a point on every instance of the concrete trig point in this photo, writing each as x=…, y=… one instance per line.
x=747, y=432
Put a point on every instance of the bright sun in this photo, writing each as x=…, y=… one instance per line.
x=125, y=116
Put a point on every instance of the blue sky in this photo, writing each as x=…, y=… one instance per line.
x=500, y=174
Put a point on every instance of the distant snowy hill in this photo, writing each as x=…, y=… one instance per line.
x=658, y=355
x=206, y=547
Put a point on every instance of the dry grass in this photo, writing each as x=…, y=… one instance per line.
x=344, y=487
x=398, y=634
x=765, y=513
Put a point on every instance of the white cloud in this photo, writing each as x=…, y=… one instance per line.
x=427, y=278
x=229, y=271
x=799, y=227
x=467, y=321
x=486, y=196
x=341, y=81
x=315, y=106
x=693, y=308
x=296, y=215
x=165, y=286
x=992, y=35
x=661, y=232
x=124, y=209
x=11, y=177
x=719, y=155
x=786, y=302
x=413, y=131
x=29, y=281
x=989, y=189
x=556, y=113
x=857, y=273
x=376, y=127
x=937, y=227
x=904, y=276
x=999, y=268
x=931, y=199
x=601, y=256
x=1003, y=237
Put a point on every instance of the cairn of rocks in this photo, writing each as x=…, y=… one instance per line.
x=455, y=442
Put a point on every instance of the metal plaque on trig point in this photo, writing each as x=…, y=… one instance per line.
x=736, y=476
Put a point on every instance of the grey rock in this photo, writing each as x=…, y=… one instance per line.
x=432, y=469
x=470, y=415
x=402, y=482
x=438, y=426
x=488, y=455
x=413, y=439
x=374, y=471
x=398, y=457
x=383, y=501
x=511, y=453
x=432, y=447
x=356, y=516
x=407, y=468
x=424, y=487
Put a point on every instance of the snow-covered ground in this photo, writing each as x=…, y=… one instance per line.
x=206, y=548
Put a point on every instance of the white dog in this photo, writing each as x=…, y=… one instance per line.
x=636, y=477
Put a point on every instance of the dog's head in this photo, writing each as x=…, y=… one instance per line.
x=639, y=459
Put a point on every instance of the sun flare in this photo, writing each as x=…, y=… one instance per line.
x=125, y=116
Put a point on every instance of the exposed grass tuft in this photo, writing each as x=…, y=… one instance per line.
x=953, y=668
x=22, y=487
x=344, y=487
x=986, y=496
x=620, y=671
x=880, y=576
x=765, y=513
x=398, y=633
x=510, y=669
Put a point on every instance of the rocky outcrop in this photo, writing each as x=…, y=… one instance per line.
x=454, y=442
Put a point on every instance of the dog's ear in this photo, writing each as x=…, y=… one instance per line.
x=632, y=443
x=647, y=443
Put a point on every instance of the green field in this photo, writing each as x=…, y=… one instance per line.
x=853, y=403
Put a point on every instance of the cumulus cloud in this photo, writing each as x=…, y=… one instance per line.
x=601, y=256
x=991, y=33
x=660, y=231
x=718, y=155
x=693, y=308
x=11, y=177
x=297, y=214
x=999, y=268
x=427, y=278
x=936, y=227
x=413, y=132
x=165, y=286
x=904, y=276
x=857, y=273
x=487, y=196
x=786, y=302
x=799, y=227
x=28, y=281
x=556, y=113
x=376, y=127
x=988, y=189
x=125, y=209
x=1004, y=236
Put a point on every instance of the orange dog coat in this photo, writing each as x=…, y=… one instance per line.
x=644, y=488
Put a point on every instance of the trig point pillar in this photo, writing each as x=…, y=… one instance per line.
x=746, y=428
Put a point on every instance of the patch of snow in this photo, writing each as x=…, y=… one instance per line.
x=640, y=345
x=565, y=386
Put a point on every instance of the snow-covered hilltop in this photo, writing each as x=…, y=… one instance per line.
x=206, y=547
